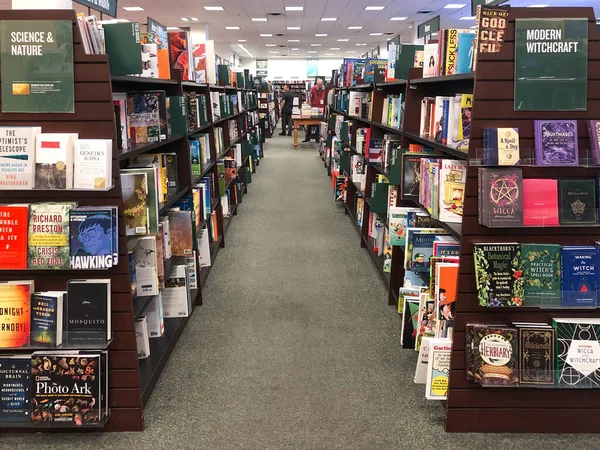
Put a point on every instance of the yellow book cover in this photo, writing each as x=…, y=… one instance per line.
x=465, y=119
x=15, y=303
x=452, y=50
x=508, y=146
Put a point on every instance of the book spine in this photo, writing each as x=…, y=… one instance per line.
x=445, y=114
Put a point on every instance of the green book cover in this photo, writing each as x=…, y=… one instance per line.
x=122, y=41
x=542, y=274
x=223, y=74
x=379, y=198
x=178, y=115
x=221, y=172
x=577, y=202
x=48, y=235
x=240, y=80
x=405, y=59
x=37, y=66
x=499, y=274
x=551, y=64
x=202, y=110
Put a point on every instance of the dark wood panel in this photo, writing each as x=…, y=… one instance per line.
x=125, y=419
x=123, y=379
x=125, y=398
x=527, y=398
x=504, y=70
x=94, y=111
x=123, y=340
x=123, y=360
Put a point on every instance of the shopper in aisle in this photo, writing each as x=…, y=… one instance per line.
x=316, y=99
x=287, y=103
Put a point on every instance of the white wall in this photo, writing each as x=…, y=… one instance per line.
x=286, y=68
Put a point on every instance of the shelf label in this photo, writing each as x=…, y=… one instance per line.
x=429, y=27
x=105, y=6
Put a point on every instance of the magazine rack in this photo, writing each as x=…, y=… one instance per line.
x=470, y=407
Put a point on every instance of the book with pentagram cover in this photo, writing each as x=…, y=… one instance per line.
x=577, y=202
x=499, y=274
x=502, y=197
x=577, y=352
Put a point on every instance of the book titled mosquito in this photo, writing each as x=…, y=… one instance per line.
x=88, y=312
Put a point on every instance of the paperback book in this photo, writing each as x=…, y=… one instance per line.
x=17, y=157
x=13, y=236
x=499, y=274
x=15, y=301
x=556, y=143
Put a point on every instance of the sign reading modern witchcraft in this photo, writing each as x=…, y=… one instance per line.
x=159, y=31
x=476, y=3
x=261, y=68
x=431, y=26
x=106, y=6
x=551, y=63
x=37, y=66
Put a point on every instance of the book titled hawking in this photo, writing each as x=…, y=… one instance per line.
x=556, y=143
x=579, y=275
x=91, y=238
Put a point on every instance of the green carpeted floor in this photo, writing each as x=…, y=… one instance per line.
x=295, y=347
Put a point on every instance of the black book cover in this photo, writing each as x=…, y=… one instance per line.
x=119, y=125
x=162, y=112
x=44, y=320
x=502, y=197
x=537, y=355
x=15, y=391
x=577, y=202
x=88, y=312
x=170, y=162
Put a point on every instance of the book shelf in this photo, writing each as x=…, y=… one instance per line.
x=268, y=107
x=131, y=381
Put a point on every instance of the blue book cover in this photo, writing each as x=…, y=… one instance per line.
x=15, y=390
x=44, y=319
x=445, y=115
x=466, y=42
x=422, y=250
x=91, y=238
x=579, y=275
x=207, y=195
x=195, y=157
x=448, y=251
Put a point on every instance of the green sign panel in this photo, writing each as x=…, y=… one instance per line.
x=37, y=66
x=551, y=64
x=261, y=68
x=431, y=26
x=312, y=69
x=159, y=33
x=476, y=3
x=106, y=6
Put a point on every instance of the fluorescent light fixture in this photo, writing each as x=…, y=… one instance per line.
x=294, y=28
x=399, y=18
x=270, y=45
x=434, y=34
x=328, y=19
x=185, y=20
x=241, y=40
x=133, y=8
x=343, y=40
x=232, y=28
x=455, y=5
x=246, y=50
x=173, y=28
x=213, y=8
x=538, y=5
x=293, y=40
x=334, y=48
x=351, y=51
x=294, y=8
x=294, y=49
x=314, y=45
x=266, y=35
x=258, y=19
x=361, y=44
x=375, y=34
x=195, y=19
x=273, y=51
x=355, y=28
x=321, y=35
x=467, y=18
x=311, y=51
x=374, y=8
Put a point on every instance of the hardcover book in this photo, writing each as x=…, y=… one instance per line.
x=540, y=202
x=143, y=118
x=17, y=157
x=15, y=303
x=495, y=355
x=501, y=147
x=92, y=233
x=466, y=52
x=499, y=274
x=419, y=247
x=446, y=290
x=536, y=355
x=577, y=202
x=88, y=312
x=54, y=160
x=593, y=127
x=180, y=226
x=176, y=295
x=93, y=164
x=47, y=319
x=451, y=191
x=580, y=276
x=145, y=265
x=15, y=388
x=438, y=369
x=134, y=187
x=491, y=22
x=577, y=352
x=13, y=236
x=154, y=194
x=502, y=197
x=411, y=175
x=556, y=143
x=542, y=264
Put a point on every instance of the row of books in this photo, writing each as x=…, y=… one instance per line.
x=447, y=119
x=532, y=354
x=54, y=388
x=507, y=200
x=453, y=54
x=355, y=71
x=31, y=159
x=544, y=275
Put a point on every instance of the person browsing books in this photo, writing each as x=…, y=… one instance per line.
x=286, y=110
x=316, y=99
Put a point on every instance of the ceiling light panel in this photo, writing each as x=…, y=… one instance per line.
x=399, y=18
x=375, y=34
x=293, y=40
x=294, y=28
x=294, y=8
x=185, y=19
x=133, y=8
x=232, y=28
x=270, y=45
x=195, y=19
x=258, y=19
x=321, y=35
x=213, y=8
x=374, y=8
x=355, y=28
x=343, y=40
x=328, y=19
x=455, y=5
x=266, y=35
x=314, y=45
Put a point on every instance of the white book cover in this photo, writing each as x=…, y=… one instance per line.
x=54, y=160
x=204, y=249
x=175, y=296
x=85, y=39
x=141, y=338
x=120, y=98
x=146, y=272
x=155, y=318
x=216, y=105
x=421, y=369
x=454, y=121
x=430, y=61
x=395, y=121
x=385, y=111
x=438, y=369
x=93, y=164
x=358, y=169
x=438, y=116
x=190, y=261
x=397, y=224
x=92, y=25
x=166, y=230
x=451, y=190
x=17, y=157
x=225, y=206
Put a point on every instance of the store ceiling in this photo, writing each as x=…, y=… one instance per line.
x=349, y=13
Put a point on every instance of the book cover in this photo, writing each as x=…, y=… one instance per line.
x=15, y=304
x=579, y=276
x=540, y=202
x=155, y=193
x=341, y=186
x=134, y=187
x=502, y=195
x=54, y=160
x=17, y=157
x=142, y=338
x=466, y=52
x=93, y=164
x=593, y=127
x=438, y=369
x=66, y=388
x=577, y=202
x=88, y=312
x=446, y=290
x=495, y=355
x=411, y=176
x=46, y=319
x=180, y=225
x=145, y=265
x=155, y=317
x=195, y=157
x=419, y=248
x=464, y=121
x=542, y=264
x=499, y=274
x=179, y=51
x=91, y=239
x=556, y=143
x=577, y=352
x=143, y=117
x=13, y=236
x=15, y=388
x=491, y=22
x=387, y=254
x=536, y=355
x=503, y=147
x=122, y=41
x=451, y=192
x=170, y=164
x=176, y=295
x=430, y=60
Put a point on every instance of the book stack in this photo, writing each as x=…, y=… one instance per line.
x=447, y=120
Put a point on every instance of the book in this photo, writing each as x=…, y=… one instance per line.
x=421, y=369
x=419, y=248
x=446, y=291
x=70, y=380
x=155, y=321
x=145, y=264
x=466, y=52
x=181, y=233
x=54, y=160
x=176, y=295
x=93, y=164
x=143, y=117
x=593, y=127
x=154, y=194
x=577, y=352
x=15, y=388
x=542, y=265
x=536, y=355
x=501, y=147
x=142, y=338
x=501, y=195
x=134, y=187
x=48, y=237
x=88, y=312
x=15, y=303
x=411, y=176
x=577, y=202
x=495, y=355
x=13, y=236
x=123, y=48
x=556, y=143
x=580, y=272
x=91, y=241
x=47, y=319
x=499, y=274
x=540, y=202
x=430, y=61
x=438, y=369
x=17, y=157
x=490, y=23
x=451, y=191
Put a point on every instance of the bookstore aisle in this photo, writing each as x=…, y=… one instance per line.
x=295, y=347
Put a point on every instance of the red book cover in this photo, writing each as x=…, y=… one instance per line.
x=13, y=237
x=540, y=202
x=367, y=142
x=14, y=323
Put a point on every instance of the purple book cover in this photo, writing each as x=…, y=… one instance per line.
x=594, y=135
x=556, y=143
